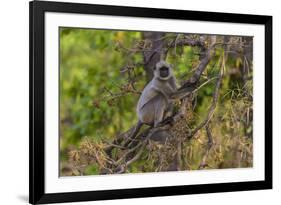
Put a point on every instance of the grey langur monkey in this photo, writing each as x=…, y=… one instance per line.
x=155, y=103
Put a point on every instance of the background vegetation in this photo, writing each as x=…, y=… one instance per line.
x=101, y=76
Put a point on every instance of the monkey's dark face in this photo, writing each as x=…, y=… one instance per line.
x=164, y=72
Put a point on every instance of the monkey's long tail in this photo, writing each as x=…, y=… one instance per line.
x=133, y=135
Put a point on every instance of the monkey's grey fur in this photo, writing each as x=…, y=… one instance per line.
x=155, y=103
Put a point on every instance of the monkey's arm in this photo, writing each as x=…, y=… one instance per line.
x=181, y=93
x=148, y=94
x=165, y=89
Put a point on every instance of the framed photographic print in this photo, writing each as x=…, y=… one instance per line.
x=140, y=102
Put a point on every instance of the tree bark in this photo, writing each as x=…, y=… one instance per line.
x=152, y=55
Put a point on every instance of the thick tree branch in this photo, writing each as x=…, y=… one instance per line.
x=205, y=59
x=214, y=102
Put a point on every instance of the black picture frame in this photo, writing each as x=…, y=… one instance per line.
x=37, y=10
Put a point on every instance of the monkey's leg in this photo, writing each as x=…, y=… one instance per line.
x=161, y=134
x=169, y=111
x=169, y=117
x=160, y=106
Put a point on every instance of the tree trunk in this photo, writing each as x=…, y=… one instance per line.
x=153, y=55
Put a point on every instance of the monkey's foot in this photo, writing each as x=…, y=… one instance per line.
x=169, y=120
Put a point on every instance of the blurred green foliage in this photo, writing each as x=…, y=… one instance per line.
x=90, y=65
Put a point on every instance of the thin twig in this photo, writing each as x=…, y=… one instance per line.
x=203, y=163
